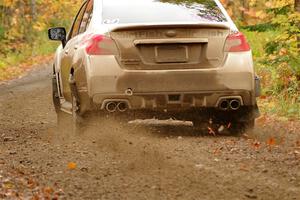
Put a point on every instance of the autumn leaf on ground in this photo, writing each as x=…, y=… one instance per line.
x=7, y=185
x=244, y=167
x=256, y=145
x=263, y=97
x=229, y=126
x=218, y=150
x=72, y=166
x=211, y=131
x=271, y=142
x=48, y=190
x=31, y=183
x=298, y=143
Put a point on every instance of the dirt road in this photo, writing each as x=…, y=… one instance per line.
x=115, y=161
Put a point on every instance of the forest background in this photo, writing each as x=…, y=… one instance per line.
x=272, y=28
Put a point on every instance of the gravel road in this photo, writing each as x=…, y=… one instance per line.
x=114, y=160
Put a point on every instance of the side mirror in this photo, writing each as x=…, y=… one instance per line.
x=58, y=34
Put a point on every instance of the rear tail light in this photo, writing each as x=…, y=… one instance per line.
x=100, y=45
x=236, y=43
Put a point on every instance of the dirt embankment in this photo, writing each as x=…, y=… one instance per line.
x=113, y=160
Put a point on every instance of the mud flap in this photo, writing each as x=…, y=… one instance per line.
x=74, y=90
x=257, y=87
x=55, y=93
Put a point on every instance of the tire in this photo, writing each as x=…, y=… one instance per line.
x=242, y=127
x=233, y=127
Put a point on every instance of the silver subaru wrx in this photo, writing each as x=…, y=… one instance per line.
x=164, y=58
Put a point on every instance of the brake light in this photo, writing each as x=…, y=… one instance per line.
x=237, y=43
x=99, y=45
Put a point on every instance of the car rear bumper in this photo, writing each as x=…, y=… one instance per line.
x=172, y=100
x=153, y=89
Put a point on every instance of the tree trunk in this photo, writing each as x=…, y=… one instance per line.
x=32, y=21
x=33, y=9
x=297, y=8
x=297, y=5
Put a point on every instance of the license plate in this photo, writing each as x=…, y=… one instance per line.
x=171, y=54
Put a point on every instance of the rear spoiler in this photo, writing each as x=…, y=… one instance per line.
x=124, y=27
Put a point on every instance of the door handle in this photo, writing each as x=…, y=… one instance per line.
x=67, y=51
x=76, y=47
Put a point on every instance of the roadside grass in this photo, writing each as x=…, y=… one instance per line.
x=258, y=40
x=282, y=103
x=282, y=107
x=16, y=62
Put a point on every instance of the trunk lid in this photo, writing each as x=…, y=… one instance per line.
x=168, y=47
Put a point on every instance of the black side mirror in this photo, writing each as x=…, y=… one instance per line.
x=58, y=34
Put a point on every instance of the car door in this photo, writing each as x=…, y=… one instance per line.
x=68, y=52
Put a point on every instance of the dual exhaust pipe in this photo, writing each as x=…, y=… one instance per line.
x=224, y=104
x=230, y=104
x=116, y=106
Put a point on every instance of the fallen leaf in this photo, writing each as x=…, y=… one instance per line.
x=8, y=185
x=31, y=183
x=211, y=131
x=283, y=51
x=72, y=166
x=199, y=166
x=218, y=150
x=263, y=97
x=229, y=125
x=244, y=167
x=271, y=142
x=298, y=143
x=297, y=152
x=256, y=145
x=48, y=190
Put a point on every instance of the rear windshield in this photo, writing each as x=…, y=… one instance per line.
x=161, y=11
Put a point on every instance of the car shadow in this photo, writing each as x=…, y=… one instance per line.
x=181, y=131
x=150, y=127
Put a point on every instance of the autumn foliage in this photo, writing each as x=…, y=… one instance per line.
x=23, y=22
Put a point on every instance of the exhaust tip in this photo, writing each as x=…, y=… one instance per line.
x=122, y=106
x=235, y=104
x=111, y=107
x=224, y=105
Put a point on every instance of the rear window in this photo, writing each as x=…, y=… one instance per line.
x=161, y=11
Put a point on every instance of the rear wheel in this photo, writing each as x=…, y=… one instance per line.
x=218, y=122
x=242, y=127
